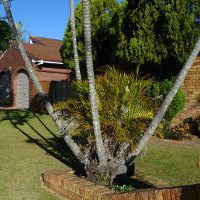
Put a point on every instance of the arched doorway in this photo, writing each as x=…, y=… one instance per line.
x=22, y=90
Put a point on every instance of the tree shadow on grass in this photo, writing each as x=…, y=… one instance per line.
x=54, y=146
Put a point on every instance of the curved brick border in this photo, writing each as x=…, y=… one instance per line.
x=68, y=186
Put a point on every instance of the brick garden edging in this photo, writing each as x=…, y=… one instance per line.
x=69, y=186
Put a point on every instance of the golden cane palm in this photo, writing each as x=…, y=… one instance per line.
x=124, y=108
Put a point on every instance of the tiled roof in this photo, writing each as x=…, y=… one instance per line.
x=43, y=49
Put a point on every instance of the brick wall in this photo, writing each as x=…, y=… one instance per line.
x=67, y=185
x=12, y=58
x=191, y=87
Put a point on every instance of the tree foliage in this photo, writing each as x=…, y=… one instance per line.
x=124, y=107
x=159, y=35
x=102, y=13
x=158, y=90
x=20, y=31
x=5, y=35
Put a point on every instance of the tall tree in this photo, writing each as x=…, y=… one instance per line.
x=61, y=128
x=91, y=83
x=5, y=35
x=158, y=35
x=103, y=34
x=73, y=27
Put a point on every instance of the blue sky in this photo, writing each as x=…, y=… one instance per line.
x=42, y=18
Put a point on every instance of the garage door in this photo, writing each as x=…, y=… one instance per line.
x=23, y=90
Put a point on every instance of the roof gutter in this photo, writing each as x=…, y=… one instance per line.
x=41, y=62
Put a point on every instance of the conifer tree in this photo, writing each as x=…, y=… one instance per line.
x=103, y=33
x=158, y=35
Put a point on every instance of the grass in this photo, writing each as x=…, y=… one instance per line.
x=29, y=145
x=176, y=164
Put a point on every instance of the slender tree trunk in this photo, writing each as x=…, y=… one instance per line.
x=91, y=82
x=62, y=129
x=167, y=101
x=76, y=59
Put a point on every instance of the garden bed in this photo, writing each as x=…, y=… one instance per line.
x=67, y=185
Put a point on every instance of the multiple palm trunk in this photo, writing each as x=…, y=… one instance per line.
x=117, y=165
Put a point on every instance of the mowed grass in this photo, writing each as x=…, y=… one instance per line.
x=29, y=145
x=176, y=163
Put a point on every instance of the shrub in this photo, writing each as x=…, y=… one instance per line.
x=176, y=133
x=183, y=130
x=124, y=108
x=158, y=91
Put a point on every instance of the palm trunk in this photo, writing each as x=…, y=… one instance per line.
x=76, y=59
x=62, y=129
x=91, y=82
x=167, y=101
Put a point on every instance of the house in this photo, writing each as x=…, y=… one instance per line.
x=191, y=87
x=15, y=83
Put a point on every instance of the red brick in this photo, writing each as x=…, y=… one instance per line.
x=138, y=196
x=76, y=197
x=122, y=196
x=68, y=182
x=75, y=185
x=47, y=176
x=106, y=197
x=82, y=189
x=81, y=184
x=158, y=194
x=166, y=195
x=132, y=195
x=175, y=193
x=98, y=194
x=47, y=183
x=152, y=195
x=90, y=189
x=145, y=196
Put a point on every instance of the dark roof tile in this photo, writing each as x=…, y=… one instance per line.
x=44, y=49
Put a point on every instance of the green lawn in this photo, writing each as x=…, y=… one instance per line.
x=174, y=162
x=29, y=145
